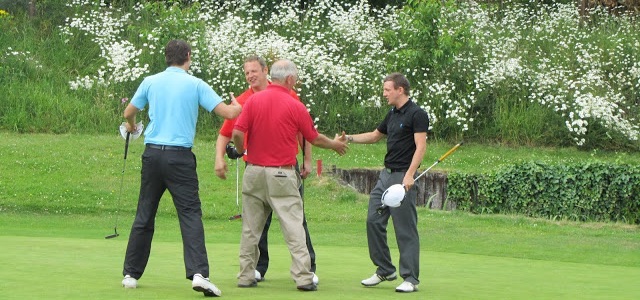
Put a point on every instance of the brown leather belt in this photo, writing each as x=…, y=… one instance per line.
x=290, y=167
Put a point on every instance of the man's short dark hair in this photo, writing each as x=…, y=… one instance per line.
x=398, y=81
x=176, y=53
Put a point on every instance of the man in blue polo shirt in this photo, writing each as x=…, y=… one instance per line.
x=173, y=97
x=406, y=127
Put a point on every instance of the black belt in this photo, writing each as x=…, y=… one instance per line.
x=168, y=148
x=396, y=170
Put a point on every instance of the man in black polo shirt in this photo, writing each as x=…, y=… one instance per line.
x=406, y=127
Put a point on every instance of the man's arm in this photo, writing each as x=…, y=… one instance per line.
x=307, y=165
x=230, y=111
x=238, y=140
x=220, y=164
x=336, y=144
x=307, y=161
x=420, y=138
x=130, y=115
x=362, y=138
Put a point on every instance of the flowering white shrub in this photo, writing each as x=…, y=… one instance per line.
x=574, y=79
x=340, y=53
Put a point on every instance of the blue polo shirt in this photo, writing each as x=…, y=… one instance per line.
x=173, y=97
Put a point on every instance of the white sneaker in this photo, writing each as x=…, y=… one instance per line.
x=406, y=287
x=258, y=276
x=201, y=284
x=375, y=279
x=129, y=282
x=315, y=279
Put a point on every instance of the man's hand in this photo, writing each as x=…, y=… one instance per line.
x=305, y=171
x=341, y=138
x=221, y=168
x=131, y=128
x=232, y=153
x=234, y=103
x=408, y=181
x=340, y=147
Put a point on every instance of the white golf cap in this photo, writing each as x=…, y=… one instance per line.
x=393, y=196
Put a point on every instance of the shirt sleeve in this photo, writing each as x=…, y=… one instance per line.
x=139, y=99
x=306, y=125
x=227, y=127
x=420, y=121
x=208, y=98
x=243, y=122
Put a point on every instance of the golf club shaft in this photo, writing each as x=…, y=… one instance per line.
x=124, y=165
x=439, y=160
x=126, y=147
x=239, y=215
x=237, y=183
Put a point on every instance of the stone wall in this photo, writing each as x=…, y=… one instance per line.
x=432, y=187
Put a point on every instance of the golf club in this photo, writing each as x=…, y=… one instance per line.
x=394, y=195
x=124, y=164
x=304, y=143
x=239, y=215
x=126, y=135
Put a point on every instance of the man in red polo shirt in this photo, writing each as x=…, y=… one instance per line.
x=255, y=72
x=270, y=122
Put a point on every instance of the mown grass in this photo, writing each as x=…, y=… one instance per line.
x=462, y=257
x=59, y=198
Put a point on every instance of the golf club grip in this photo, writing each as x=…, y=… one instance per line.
x=449, y=152
x=126, y=145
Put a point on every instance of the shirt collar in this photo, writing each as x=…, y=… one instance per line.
x=175, y=69
x=403, y=108
x=276, y=86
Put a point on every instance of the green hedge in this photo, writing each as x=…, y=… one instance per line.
x=587, y=192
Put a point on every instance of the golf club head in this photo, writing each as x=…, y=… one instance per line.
x=235, y=217
x=136, y=134
x=393, y=196
x=112, y=235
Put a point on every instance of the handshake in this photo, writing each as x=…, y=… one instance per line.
x=232, y=153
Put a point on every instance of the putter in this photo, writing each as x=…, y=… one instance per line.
x=124, y=164
x=239, y=215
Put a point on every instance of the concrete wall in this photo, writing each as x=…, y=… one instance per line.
x=432, y=187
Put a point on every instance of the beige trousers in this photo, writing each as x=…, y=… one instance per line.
x=266, y=189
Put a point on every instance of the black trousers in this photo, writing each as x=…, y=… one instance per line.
x=175, y=171
x=263, y=246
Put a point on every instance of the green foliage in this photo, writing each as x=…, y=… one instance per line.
x=507, y=72
x=582, y=192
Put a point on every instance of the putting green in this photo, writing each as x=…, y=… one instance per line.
x=77, y=268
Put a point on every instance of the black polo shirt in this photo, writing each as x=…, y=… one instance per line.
x=399, y=125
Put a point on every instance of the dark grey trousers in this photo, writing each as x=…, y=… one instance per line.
x=175, y=171
x=405, y=221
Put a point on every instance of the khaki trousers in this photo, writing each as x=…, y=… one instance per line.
x=267, y=189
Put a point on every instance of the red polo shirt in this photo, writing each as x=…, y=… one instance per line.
x=227, y=126
x=271, y=120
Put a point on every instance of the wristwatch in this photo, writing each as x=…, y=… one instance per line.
x=349, y=138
